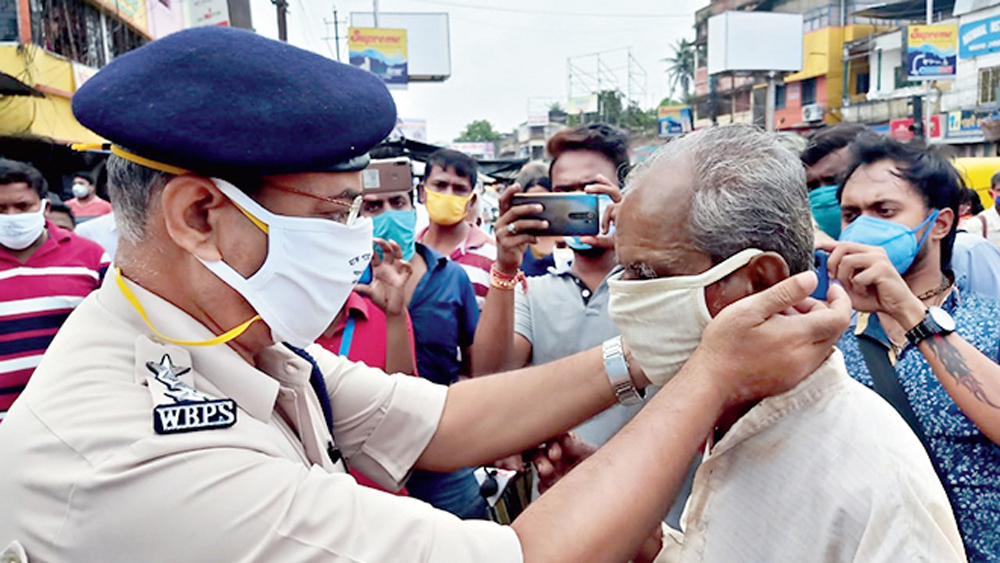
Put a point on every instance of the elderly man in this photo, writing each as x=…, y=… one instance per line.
x=176, y=417
x=827, y=471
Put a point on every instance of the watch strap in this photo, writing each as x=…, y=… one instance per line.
x=616, y=366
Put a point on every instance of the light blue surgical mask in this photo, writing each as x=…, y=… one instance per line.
x=826, y=209
x=898, y=240
x=397, y=225
x=573, y=242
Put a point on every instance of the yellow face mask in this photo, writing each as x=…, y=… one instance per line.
x=446, y=209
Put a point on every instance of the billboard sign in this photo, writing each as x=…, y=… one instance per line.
x=478, y=150
x=774, y=41
x=931, y=51
x=979, y=38
x=582, y=104
x=200, y=13
x=413, y=129
x=428, y=44
x=674, y=120
x=902, y=129
x=964, y=123
x=381, y=51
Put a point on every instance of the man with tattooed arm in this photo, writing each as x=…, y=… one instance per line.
x=913, y=326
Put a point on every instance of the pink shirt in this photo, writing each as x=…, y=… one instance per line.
x=95, y=208
x=366, y=344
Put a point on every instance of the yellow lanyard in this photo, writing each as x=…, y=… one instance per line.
x=221, y=339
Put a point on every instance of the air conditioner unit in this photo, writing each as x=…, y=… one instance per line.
x=812, y=113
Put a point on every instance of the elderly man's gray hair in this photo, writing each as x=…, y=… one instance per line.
x=131, y=187
x=749, y=192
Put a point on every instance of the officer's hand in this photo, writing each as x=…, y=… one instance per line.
x=872, y=282
x=768, y=342
x=555, y=459
x=510, y=230
x=389, y=276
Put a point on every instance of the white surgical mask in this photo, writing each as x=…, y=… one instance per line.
x=662, y=319
x=311, y=267
x=19, y=230
x=80, y=191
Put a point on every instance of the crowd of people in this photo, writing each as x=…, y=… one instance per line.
x=210, y=379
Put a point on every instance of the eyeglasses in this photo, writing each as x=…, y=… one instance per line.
x=348, y=210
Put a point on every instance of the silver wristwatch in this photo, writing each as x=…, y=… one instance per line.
x=616, y=366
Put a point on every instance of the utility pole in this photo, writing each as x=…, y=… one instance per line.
x=375, y=12
x=336, y=33
x=282, y=6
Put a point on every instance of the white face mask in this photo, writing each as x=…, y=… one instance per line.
x=662, y=319
x=311, y=267
x=80, y=191
x=19, y=230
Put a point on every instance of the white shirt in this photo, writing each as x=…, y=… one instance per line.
x=825, y=472
x=103, y=230
x=86, y=478
x=991, y=219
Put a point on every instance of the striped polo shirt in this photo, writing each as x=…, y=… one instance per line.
x=36, y=296
x=476, y=256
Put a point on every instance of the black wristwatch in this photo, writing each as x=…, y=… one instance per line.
x=936, y=321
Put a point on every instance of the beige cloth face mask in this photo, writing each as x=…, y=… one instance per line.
x=662, y=319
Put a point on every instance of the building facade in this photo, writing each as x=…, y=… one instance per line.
x=54, y=46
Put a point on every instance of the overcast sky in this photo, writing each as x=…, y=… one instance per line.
x=508, y=58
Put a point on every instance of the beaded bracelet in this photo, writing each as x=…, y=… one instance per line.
x=507, y=282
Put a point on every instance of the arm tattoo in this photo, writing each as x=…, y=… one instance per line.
x=955, y=365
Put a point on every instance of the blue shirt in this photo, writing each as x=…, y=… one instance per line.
x=444, y=314
x=969, y=460
x=976, y=263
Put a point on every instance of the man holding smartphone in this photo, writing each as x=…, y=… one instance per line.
x=561, y=313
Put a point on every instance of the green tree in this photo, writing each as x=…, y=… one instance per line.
x=681, y=68
x=609, y=106
x=477, y=132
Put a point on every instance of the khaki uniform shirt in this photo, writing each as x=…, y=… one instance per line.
x=825, y=472
x=126, y=449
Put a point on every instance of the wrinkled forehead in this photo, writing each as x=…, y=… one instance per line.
x=653, y=222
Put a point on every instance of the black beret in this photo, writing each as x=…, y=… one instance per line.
x=223, y=101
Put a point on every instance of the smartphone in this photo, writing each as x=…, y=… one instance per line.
x=387, y=175
x=821, y=257
x=571, y=214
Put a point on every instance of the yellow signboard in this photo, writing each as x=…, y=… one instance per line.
x=381, y=51
x=932, y=51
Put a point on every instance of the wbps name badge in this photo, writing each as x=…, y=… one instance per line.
x=190, y=410
x=193, y=416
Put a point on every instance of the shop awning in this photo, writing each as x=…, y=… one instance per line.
x=907, y=10
x=10, y=86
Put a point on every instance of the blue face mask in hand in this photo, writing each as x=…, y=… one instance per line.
x=898, y=240
x=826, y=209
x=397, y=225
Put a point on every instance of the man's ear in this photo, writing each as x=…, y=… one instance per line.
x=191, y=208
x=420, y=193
x=766, y=270
x=942, y=225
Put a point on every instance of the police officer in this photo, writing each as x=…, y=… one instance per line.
x=179, y=416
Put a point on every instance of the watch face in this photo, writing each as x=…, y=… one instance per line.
x=942, y=319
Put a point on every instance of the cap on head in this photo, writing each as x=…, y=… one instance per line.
x=223, y=101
